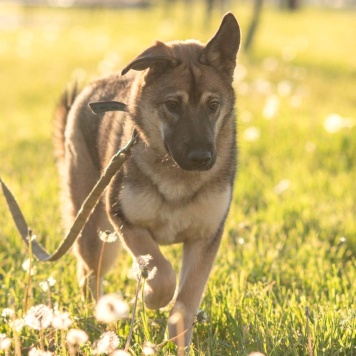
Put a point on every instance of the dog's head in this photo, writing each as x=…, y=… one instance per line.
x=184, y=95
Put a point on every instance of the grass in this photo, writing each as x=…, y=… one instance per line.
x=290, y=239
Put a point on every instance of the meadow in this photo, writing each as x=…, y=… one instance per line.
x=284, y=278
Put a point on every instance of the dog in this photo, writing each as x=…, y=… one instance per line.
x=176, y=186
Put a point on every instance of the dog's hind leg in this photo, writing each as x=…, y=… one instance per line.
x=80, y=175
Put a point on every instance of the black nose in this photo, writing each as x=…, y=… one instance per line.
x=199, y=158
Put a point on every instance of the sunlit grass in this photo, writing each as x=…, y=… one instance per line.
x=290, y=239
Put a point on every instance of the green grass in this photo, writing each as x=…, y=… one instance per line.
x=281, y=252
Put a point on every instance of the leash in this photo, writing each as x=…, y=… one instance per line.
x=88, y=205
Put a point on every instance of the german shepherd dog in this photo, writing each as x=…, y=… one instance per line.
x=177, y=183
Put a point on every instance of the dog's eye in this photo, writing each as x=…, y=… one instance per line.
x=213, y=106
x=172, y=105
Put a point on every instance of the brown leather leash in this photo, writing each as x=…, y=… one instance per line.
x=88, y=205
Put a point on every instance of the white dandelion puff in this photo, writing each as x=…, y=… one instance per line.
x=241, y=240
x=251, y=134
x=7, y=313
x=32, y=238
x=39, y=317
x=120, y=353
x=282, y=186
x=202, y=317
x=342, y=239
x=334, y=123
x=271, y=107
x=107, y=343
x=36, y=352
x=49, y=282
x=77, y=337
x=140, y=267
x=284, y=88
x=263, y=86
x=26, y=267
x=5, y=342
x=61, y=320
x=17, y=324
x=111, y=308
x=149, y=349
x=107, y=236
x=151, y=273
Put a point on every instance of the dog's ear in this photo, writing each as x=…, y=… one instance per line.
x=157, y=56
x=220, y=52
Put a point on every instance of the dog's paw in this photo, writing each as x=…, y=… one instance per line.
x=160, y=290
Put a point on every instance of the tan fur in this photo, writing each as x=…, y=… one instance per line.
x=177, y=184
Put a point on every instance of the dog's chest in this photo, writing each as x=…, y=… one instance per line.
x=178, y=221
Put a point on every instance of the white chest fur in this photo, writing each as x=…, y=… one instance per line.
x=175, y=222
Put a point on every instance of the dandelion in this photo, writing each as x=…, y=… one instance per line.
x=26, y=266
x=5, y=342
x=263, y=86
x=17, y=324
x=282, y=186
x=61, y=321
x=107, y=236
x=251, y=134
x=39, y=317
x=111, y=308
x=149, y=349
x=77, y=337
x=296, y=100
x=284, y=88
x=271, y=107
x=342, y=239
x=140, y=268
x=36, y=352
x=7, y=313
x=334, y=123
x=107, y=343
x=241, y=240
x=45, y=285
x=120, y=353
x=202, y=317
x=32, y=237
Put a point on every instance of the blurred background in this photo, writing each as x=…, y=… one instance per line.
x=295, y=84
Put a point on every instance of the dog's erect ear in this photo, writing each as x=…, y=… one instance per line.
x=158, y=56
x=220, y=52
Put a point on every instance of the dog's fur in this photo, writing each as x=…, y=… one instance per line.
x=176, y=186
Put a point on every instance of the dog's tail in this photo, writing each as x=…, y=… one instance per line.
x=60, y=120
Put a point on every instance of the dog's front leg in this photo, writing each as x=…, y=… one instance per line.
x=159, y=290
x=198, y=258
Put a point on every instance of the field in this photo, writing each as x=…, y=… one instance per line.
x=284, y=279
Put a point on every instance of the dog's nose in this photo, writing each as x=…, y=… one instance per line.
x=199, y=158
